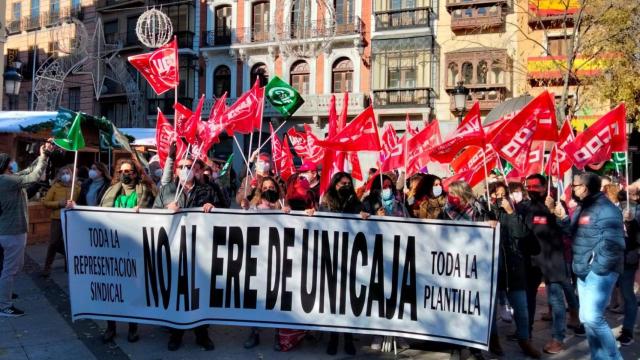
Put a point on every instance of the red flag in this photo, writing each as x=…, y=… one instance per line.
x=245, y=115
x=472, y=158
x=218, y=109
x=315, y=152
x=473, y=171
x=282, y=159
x=299, y=142
x=559, y=163
x=408, y=127
x=159, y=67
x=186, y=123
x=514, y=139
x=419, y=145
x=356, y=169
x=342, y=119
x=389, y=141
x=599, y=140
x=468, y=133
x=543, y=109
x=395, y=157
x=333, y=117
x=341, y=157
x=472, y=177
x=164, y=137
x=361, y=134
x=534, y=160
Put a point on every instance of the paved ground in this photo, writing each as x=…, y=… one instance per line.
x=46, y=332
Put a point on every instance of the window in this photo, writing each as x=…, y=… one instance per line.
x=260, y=24
x=110, y=29
x=401, y=72
x=300, y=16
x=221, y=81
x=259, y=70
x=17, y=11
x=453, y=74
x=497, y=71
x=558, y=46
x=35, y=8
x=74, y=98
x=467, y=73
x=75, y=5
x=300, y=76
x=342, y=76
x=482, y=72
x=223, y=25
x=344, y=12
x=132, y=38
x=54, y=6
x=12, y=56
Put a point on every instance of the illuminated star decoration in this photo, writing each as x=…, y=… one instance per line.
x=99, y=54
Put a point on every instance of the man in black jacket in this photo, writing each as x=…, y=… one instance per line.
x=549, y=265
x=191, y=194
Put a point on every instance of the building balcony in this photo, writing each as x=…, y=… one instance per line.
x=413, y=97
x=218, y=37
x=349, y=26
x=251, y=35
x=185, y=39
x=14, y=27
x=112, y=4
x=554, y=67
x=547, y=14
x=74, y=11
x=454, y=4
x=477, y=18
x=403, y=19
x=31, y=22
x=488, y=96
x=314, y=105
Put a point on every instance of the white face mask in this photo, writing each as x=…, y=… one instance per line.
x=65, y=178
x=185, y=175
x=411, y=200
x=158, y=172
x=517, y=196
x=387, y=194
x=437, y=191
x=93, y=174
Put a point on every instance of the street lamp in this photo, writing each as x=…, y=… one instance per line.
x=460, y=94
x=12, y=82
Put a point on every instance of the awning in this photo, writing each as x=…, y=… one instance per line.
x=14, y=121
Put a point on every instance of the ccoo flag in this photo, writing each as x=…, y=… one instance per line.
x=283, y=97
x=73, y=141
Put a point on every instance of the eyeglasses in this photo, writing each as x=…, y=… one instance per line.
x=576, y=185
x=125, y=171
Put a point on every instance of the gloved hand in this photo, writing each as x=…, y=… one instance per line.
x=173, y=150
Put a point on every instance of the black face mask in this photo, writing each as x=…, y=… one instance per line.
x=126, y=179
x=536, y=196
x=299, y=205
x=345, y=191
x=270, y=195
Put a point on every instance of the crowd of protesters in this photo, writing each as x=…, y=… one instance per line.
x=584, y=250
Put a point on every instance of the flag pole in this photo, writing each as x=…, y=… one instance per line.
x=271, y=136
x=626, y=174
x=246, y=177
x=244, y=158
x=406, y=172
x=486, y=173
x=73, y=180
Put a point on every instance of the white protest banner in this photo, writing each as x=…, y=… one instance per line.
x=431, y=280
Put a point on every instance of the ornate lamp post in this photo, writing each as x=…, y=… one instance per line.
x=460, y=94
x=12, y=82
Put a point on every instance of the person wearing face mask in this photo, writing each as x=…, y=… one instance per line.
x=517, y=193
x=429, y=198
x=14, y=223
x=56, y=199
x=382, y=202
x=550, y=264
x=191, y=194
x=598, y=258
x=94, y=188
x=341, y=198
x=410, y=190
x=511, y=270
x=248, y=184
x=309, y=171
x=462, y=204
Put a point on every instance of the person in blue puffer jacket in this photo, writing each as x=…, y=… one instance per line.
x=598, y=256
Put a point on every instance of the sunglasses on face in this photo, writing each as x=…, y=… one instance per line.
x=125, y=171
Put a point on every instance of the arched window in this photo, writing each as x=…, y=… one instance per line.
x=300, y=76
x=259, y=70
x=221, y=81
x=482, y=72
x=453, y=74
x=260, y=21
x=342, y=76
x=497, y=72
x=467, y=73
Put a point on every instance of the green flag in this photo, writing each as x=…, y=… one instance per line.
x=226, y=166
x=73, y=140
x=283, y=97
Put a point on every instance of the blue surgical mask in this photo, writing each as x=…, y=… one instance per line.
x=13, y=166
x=387, y=194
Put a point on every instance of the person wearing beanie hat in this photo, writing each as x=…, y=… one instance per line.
x=13, y=223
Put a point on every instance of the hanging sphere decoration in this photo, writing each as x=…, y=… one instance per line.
x=154, y=28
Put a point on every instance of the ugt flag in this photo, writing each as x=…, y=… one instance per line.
x=159, y=67
x=283, y=97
